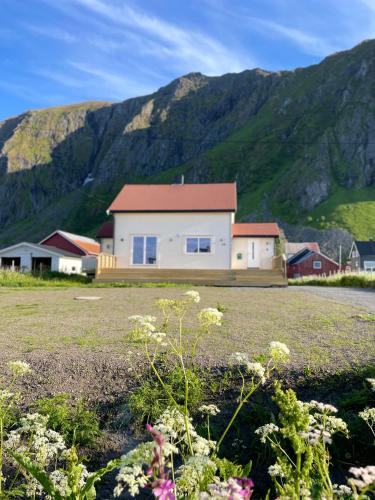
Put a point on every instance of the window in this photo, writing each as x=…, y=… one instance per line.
x=369, y=265
x=144, y=250
x=73, y=268
x=198, y=245
x=317, y=264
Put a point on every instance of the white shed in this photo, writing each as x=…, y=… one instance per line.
x=33, y=257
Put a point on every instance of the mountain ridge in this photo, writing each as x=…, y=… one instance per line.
x=300, y=144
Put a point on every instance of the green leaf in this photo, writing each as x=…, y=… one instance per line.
x=96, y=476
x=37, y=473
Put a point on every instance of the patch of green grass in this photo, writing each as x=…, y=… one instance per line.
x=50, y=279
x=351, y=209
x=366, y=317
x=363, y=280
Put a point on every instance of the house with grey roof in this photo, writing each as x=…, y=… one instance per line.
x=362, y=256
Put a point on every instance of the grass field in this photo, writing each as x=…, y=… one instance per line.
x=80, y=346
x=356, y=280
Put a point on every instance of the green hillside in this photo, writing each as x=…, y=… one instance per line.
x=300, y=144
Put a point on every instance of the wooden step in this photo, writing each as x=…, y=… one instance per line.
x=215, y=277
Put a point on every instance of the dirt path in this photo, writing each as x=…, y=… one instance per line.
x=358, y=297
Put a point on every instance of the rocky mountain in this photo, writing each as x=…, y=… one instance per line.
x=300, y=144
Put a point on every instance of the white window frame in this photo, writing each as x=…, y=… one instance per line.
x=198, y=237
x=317, y=262
x=144, y=236
x=368, y=267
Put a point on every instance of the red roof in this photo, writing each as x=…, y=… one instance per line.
x=255, y=229
x=73, y=242
x=89, y=248
x=176, y=198
x=105, y=230
x=293, y=248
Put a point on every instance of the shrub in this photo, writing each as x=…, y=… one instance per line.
x=77, y=424
x=149, y=400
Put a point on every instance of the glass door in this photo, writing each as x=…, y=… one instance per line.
x=144, y=250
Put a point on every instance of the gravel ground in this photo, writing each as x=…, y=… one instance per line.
x=358, y=297
x=80, y=347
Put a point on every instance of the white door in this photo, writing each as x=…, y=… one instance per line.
x=253, y=253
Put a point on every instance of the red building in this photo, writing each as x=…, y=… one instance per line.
x=308, y=262
x=74, y=243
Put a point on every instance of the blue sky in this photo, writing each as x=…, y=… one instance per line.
x=57, y=52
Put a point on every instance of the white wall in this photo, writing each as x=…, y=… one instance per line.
x=106, y=245
x=171, y=230
x=26, y=253
x=266, y=249
x=70, y=265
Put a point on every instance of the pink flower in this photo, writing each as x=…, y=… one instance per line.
x=245, y=485
x=163, y=489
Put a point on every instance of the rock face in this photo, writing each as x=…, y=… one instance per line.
x=289, y=139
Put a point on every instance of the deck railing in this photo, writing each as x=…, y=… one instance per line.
x=279, y=264
x=105, y=261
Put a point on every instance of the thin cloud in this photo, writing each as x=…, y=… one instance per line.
x=117, y=85
x=311, y=44
x=54, y=33
x=187, y=48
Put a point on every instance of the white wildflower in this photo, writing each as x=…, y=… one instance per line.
x=202, y=446
x=363, y=476
x=276, y=471
x=265, y=430
x=193, y=296
x=60, y=481
x=368, y=415
x=209, y=410
x=42, y=444
x=189, y=475
x=240, y=358
x=233, y=489
x=371, y=381
x=19, y=368
x=341, y=490
x=279, y=351
x=210, y=316
x=5, y=395
x=132, y=478
x=145, y=330
x=257, y=370
x=322, y=407
x=314, y=436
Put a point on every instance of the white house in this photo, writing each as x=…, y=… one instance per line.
x=35, y=257
x=187, y=226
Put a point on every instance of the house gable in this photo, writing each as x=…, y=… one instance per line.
x=76, y=244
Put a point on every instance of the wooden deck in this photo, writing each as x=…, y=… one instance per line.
x=247, y=277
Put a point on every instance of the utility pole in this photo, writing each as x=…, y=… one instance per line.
x=340, y=253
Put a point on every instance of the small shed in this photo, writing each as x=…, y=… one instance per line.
x=291, y=248
x=73, y=243
x=27, y=256
x=362, y=256
x=308, y=262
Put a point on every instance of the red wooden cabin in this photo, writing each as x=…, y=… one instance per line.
x=308, y=262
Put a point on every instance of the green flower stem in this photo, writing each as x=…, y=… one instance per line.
x=186, y=411
x=298, y=475
x=155, y=370
x=236, y=412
